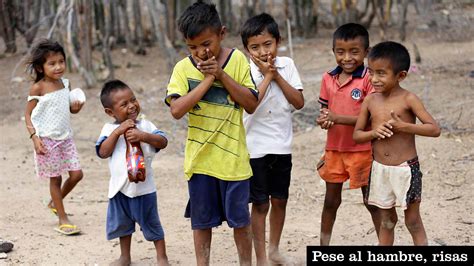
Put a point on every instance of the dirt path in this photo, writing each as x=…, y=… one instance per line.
x=442, y=82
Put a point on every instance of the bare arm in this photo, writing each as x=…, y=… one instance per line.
x=108, y=145
x=294, y=96
x=179, y=106
x=243, y=96
x=428, y=128
x=382, y=131
x=239, y=93
x=349, y=120
x=30, y=105
x=263, y=86
x=155, y=140
x=360, y=135
x=75, y=107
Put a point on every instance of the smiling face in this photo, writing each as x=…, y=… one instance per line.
x=349, y=54
x=54, y=66
x=124, y=105
x=207, y=39
x=382, y=77
x=263, y=45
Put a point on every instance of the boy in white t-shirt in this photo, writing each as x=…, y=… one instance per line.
x=270, y=131
x=130, y=203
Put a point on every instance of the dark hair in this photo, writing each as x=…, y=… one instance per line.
x=395, y=52
x=38, y=54
x=197, y=18
x=109, y=87
x=351, y=31
x=256, y=25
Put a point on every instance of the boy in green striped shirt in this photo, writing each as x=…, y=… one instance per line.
x=214, y=86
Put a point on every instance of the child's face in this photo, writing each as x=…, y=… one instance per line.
x=349, y=54
x=54, y=66
x=382, y=77
x=124, y=105
x=207, y=39
x=263, y=45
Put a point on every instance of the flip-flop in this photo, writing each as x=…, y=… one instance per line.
x=73, y=229
x=53, y=210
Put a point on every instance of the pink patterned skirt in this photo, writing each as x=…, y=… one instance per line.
x=61, y=156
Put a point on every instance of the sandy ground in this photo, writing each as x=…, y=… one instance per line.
x=443, y=82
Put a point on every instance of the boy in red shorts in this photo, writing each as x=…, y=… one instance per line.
x=342, y=92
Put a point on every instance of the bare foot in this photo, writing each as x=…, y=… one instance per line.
x=275, y=257
x=50, y=204
x=163, y=261
x=122, y=261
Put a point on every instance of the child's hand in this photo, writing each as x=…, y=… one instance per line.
x=210, y=66
x=134, y=135
x=325, y=119
x=395, y=122
x=76, y=107
x=383, y=131
x=267, y=68
x=39, y=146
x=124, y=126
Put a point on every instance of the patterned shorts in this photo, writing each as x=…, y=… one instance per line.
x=61, y=156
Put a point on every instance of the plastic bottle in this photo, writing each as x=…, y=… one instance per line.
x=135, y=162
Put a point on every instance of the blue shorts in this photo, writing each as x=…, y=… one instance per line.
x=212, y=201
x=123, y=212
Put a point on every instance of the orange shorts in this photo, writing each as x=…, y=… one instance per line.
x=337, y=167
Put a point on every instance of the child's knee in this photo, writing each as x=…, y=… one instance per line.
x=76, y=176
x=371, y=208
x=332, y=204
x=389, y=222
x=413, y=223
x=261, y=208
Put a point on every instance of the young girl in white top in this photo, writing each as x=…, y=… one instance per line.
x=47, y=119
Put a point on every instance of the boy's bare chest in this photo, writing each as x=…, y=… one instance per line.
x=380, y=110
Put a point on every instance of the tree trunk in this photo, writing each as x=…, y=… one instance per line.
x=48, y=13
x=402, y=10
x=298, y=15
x=311, y=18
x=114, y=23
x=84, y=14
x=170, y=11
x=7, y=23
x=137, y=16
x=105, y=41
x=368, y=22
x=88, y=77
x=33, y=26
x=99, y=17
x=163, y=41
x=286, y=9
x=126, y=24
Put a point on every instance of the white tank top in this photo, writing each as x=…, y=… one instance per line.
x=51, y=115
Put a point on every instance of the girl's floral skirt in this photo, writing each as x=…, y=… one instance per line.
x=61, y=156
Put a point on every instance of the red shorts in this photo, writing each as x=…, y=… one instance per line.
x=337, y=167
